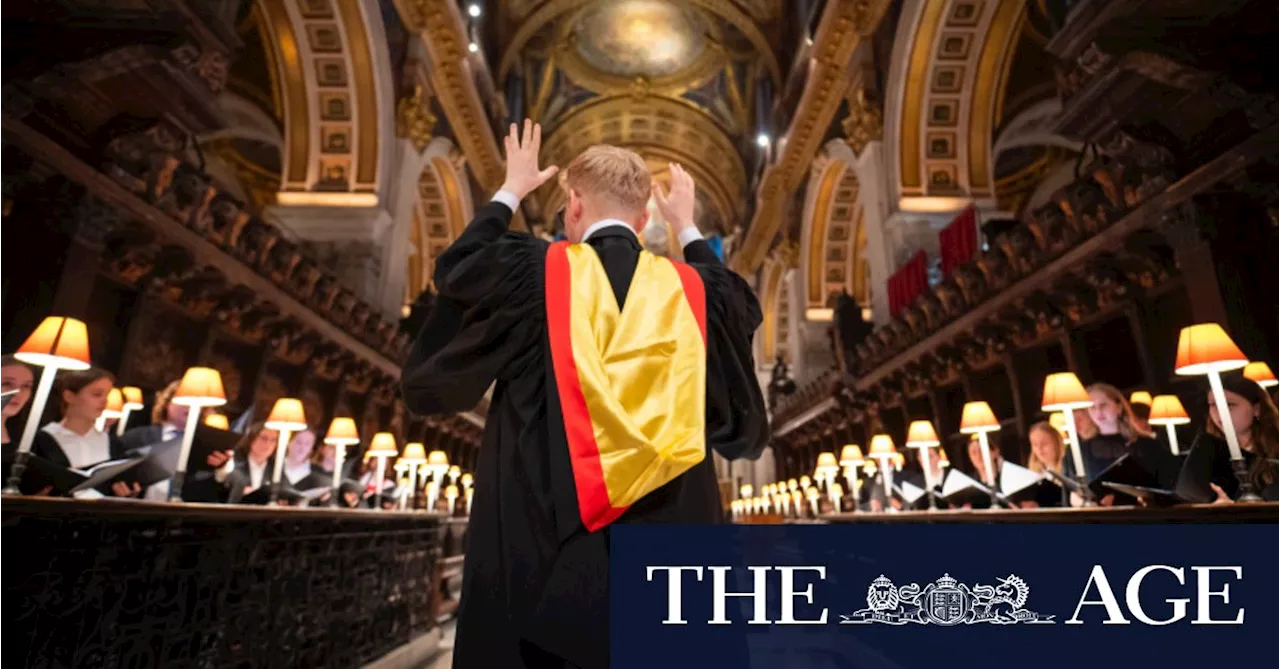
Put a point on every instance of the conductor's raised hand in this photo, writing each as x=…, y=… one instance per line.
x=677, y=206
x=523, y=175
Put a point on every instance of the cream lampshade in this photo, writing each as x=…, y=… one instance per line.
x=454, y=472
x=746, y=490
x=217, y=421
x=792, y=484
x=1260, y=373
x=805, y=483
x=851, y=455
x=200, y=387
x=1140, y=397
x=1167, y=410
x=881, y=446
x=61, y=343
x=414, y=454
x=1206, y=348
x=467, y=480
x=342, y=432
x=132, y=398
x=812, y=495
x=922, y=435
x=827, y=468
x=383, y=445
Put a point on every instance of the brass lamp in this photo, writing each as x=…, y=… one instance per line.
x=200, y=387
x=59, y=343
x=1206, y=349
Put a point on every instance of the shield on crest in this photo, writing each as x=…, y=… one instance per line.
x=946, y=606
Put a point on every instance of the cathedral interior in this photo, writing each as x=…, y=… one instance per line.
x=935, y=201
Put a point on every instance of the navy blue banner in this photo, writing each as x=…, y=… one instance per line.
x=943, y=596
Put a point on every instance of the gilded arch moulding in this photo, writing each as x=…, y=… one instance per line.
x=843, y=25
x=439, y=23
x=950, y=64
x=332, y=92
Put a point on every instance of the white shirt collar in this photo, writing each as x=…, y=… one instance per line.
x=605, y=223
x=256, y=473
x=297, y=472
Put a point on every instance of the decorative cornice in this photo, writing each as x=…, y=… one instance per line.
x=843, y=25
x=440, y=25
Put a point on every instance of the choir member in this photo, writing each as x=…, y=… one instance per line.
x=253, y=463
x=1206, y=473
x=536, y=582
x=298, y=467
x=15, y=375
x=1047, y=451
x=74, y=441
x=1118, y=434
x=979, y=468
x=168, y=422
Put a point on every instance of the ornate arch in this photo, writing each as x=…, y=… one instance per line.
x=950, y=63
x=771, y=289
x=333, y=77
x=440, y=212
x=834, y=236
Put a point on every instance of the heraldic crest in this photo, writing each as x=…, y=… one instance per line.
x=946, y=601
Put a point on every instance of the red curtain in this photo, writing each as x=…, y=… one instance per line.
x=909, y=281
x=958, y=242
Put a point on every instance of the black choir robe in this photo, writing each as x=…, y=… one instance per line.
x=535, y=582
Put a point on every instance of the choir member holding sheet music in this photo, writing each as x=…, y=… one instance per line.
x=1047, y=453
x=1206, y=474
x=249, y=480
x=74, y=442
x=1119, y=436
x=163, y=439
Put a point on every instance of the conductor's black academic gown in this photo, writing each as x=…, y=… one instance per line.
x=535, y=583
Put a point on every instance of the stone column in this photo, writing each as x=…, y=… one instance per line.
x=873, y=193
x=348, y=241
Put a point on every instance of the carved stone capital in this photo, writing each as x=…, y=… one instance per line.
x=864, y=124
x=414, y=119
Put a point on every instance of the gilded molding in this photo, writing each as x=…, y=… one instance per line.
x=864, y=124
x=414, y=119
x=440, y=25
x=843, y=24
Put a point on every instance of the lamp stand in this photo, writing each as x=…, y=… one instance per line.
x=339, y=453
x=124, y=418
x=928, y=477
x=1173, y=437
x=1082, y=477
x=282, y=450
x=188, y=437
x=886, y=477
x=1247, y=493
x=988, y=469
x=412, y=493
x=851, y=477
x=43, y=388
x=381, y=481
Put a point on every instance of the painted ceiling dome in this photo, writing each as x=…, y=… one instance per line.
x=631, y=38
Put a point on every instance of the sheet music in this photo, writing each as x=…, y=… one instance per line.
x=1015, y=478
